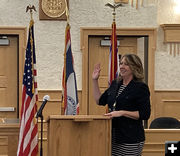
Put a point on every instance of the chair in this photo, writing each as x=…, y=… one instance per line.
x=165, y=123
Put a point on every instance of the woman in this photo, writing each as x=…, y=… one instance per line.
x=128, y=99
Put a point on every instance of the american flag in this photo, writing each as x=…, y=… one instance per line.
x=113, y=56
x=28, y=136
x=70, y=104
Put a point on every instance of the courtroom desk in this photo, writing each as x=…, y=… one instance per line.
x=9, y=135
x=156, y=138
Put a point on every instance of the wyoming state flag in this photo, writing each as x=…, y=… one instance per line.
x=70, y=104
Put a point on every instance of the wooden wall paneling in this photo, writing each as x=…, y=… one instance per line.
x=155, y=140
x=9, y=135
x=53, y=106
x=3, y=145
x=167, y=103
x=171, y=108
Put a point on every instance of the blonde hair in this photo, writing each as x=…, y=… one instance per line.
x=135, y=64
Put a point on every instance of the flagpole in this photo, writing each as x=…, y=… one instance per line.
x=64, y=68
x=70, y=105
x=31, y=8
x=67, y=12
x=113, y=54
x=114, y=7
x=113, y=25
x=28, y=134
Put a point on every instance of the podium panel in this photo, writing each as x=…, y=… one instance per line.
x=81, y=135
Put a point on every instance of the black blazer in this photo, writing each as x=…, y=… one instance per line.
x=135, y=97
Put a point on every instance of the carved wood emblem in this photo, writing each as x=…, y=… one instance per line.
x=54, y=8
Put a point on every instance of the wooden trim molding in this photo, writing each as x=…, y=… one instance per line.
x=171, y=33
x=170, y=100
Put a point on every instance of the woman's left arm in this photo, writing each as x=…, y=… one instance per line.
x=143, y=102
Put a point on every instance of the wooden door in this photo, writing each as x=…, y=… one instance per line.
x=100, y=54
x=9, y=78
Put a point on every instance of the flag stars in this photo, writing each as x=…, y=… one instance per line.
x=28, y=130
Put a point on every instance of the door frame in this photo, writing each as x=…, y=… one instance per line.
x=84, y=47
x=21, y=32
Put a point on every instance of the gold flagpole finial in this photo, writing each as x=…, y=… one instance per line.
x=114, y=7
x=31, y=8
x=67, y=12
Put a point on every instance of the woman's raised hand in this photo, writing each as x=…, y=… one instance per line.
x=96, y=72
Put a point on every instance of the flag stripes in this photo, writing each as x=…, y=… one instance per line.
x=28, y=136
x=113, y=56
x=70, y=104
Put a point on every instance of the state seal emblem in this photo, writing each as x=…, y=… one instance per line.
x=54, y=8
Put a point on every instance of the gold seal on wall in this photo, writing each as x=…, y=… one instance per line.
x=54, y=8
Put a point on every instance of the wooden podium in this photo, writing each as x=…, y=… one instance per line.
x=80, y=135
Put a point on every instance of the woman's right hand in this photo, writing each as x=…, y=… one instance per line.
x=96, y=72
